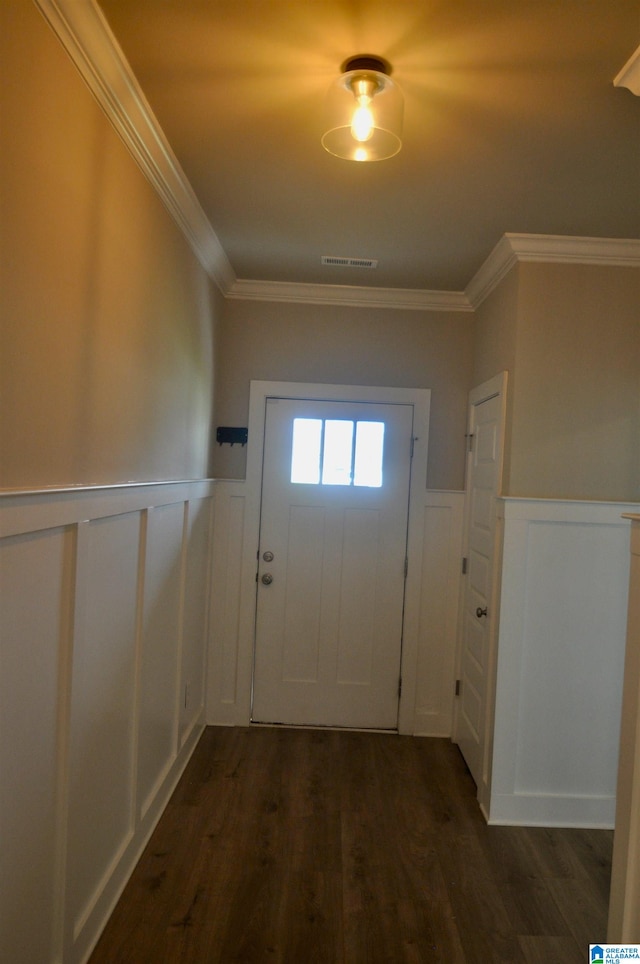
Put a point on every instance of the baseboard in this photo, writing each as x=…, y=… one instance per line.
x=553, y=810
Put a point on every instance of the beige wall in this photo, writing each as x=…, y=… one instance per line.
x=496, y=324
x=108, y=326
x=576, y=406
x=569, y=336
x=339, y=345
x=106, y=333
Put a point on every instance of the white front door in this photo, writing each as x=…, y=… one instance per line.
x=331, y=569
x=486, y=405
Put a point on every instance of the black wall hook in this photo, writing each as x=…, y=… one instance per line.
x=230, y=436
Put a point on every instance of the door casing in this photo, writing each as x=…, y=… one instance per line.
x=496, y=386
x=420, y=399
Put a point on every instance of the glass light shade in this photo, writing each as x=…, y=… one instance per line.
x=364, y=111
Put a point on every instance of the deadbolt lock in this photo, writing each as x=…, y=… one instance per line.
x=267, y=556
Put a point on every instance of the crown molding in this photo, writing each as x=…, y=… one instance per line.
x=548, y=249
x=629, y=76
x=89, y=41
x=490, y=274
x=355, y=296
x=564, y=249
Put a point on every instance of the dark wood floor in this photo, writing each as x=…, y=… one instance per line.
x=301, y=846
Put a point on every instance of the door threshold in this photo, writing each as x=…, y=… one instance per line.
x=321, y=726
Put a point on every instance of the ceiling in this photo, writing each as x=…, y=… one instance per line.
x=512, y=124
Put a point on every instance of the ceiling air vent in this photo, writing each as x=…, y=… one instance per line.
x=349, y=262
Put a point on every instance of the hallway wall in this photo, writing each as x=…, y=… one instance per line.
x=569, y=335
x=576, y=407
x=107, y=372
x=107, y=334
x=343, y=345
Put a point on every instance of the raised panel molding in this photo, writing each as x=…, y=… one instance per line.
x=560, y=663
x=440, y=586
x=103, y=624
x=225, y=703
x=35, y=643
x=87, y=38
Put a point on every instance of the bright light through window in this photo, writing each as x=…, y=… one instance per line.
x=305, y=452
x=338, y=449
x=337, y=452
x=368, y=457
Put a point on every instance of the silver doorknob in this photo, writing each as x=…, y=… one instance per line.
x=267, y=556
x=481, y=612
x=267, y=579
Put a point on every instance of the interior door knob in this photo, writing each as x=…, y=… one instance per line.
x=481, y=612
x=267, y=579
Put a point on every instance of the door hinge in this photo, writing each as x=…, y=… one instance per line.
x=414, y=439
x=464, y=565
x=406, y=566
x=469, y=437
x=400, y=687
x=458, y=687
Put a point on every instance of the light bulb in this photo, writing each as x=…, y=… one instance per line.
x=362, y=121
x=363, y=114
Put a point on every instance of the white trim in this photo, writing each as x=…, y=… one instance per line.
x=560, y=662
x=23, y=512
x=60, y=489
x=548, y=249
x=441, y=579
x=491, y=273
x=563, y=249
x=624, y=895
x=50, y=674
x=259, y=392
x=495, y=386
x=89, y=41
x=510, y=250
x=354, y=295
x=629, y=76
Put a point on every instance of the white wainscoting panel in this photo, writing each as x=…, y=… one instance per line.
x=226, y=701
x=103, y=623
x=439, y=527
x=102, y=708
x=441, y=575
x=36, y=571
x=159, y=649
x=560, y=663
x=194, y=637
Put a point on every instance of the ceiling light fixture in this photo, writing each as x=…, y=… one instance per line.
x=364, y=111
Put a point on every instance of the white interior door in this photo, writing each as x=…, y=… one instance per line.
x=483, y=482
x=331, y=570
